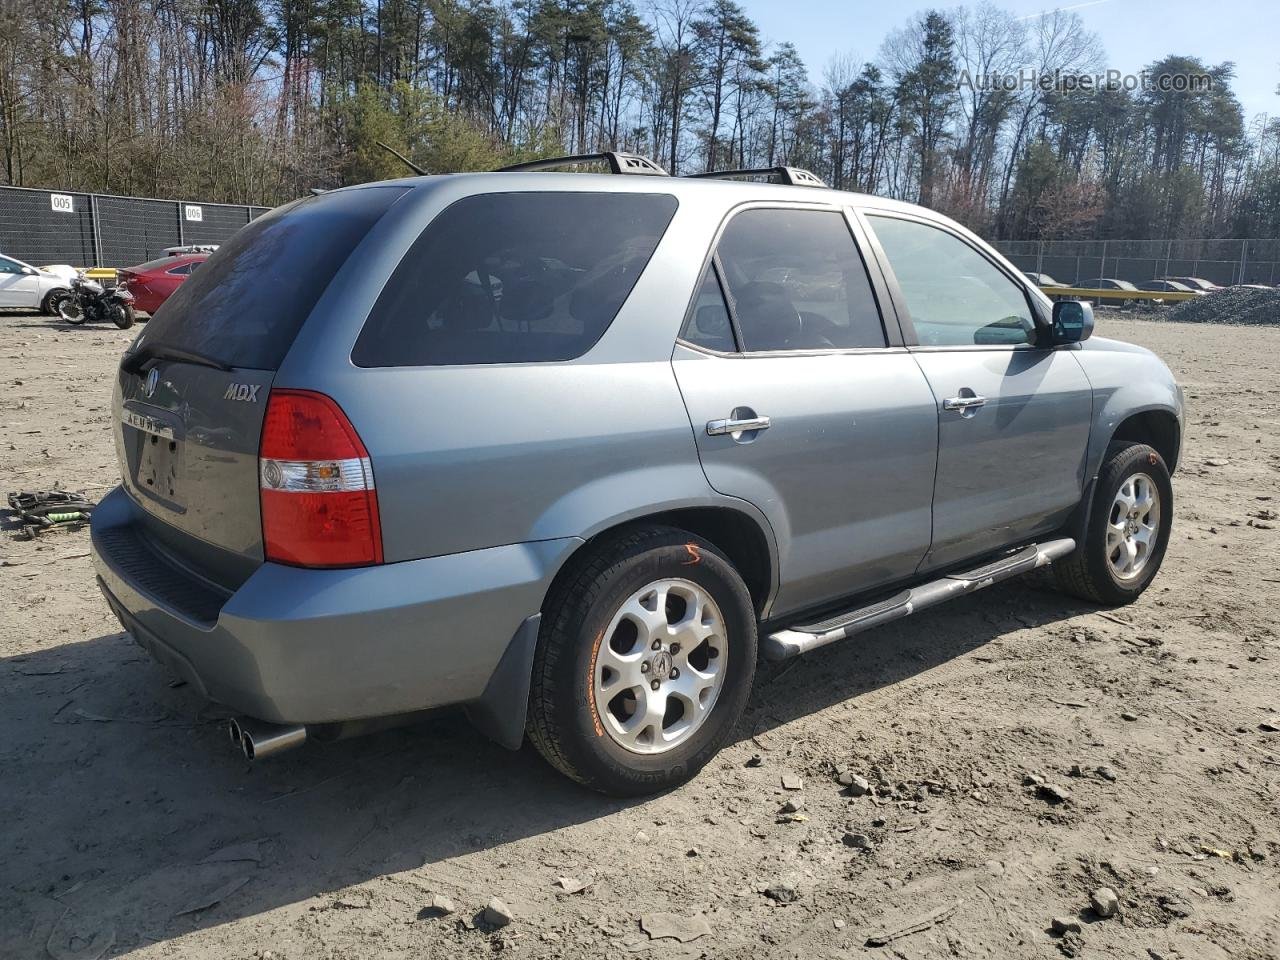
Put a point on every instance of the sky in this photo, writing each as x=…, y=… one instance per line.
x=1133, y=33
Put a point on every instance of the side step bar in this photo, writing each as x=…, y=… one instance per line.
x=796, y=640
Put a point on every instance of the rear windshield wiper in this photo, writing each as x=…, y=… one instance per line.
x=137, y=360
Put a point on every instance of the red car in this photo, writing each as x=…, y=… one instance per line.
x=153, y=282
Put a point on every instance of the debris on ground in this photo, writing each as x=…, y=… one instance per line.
x=40, y=510
x=672, y=926
x=439, y=906
x=1174, y=905
x=99, y=942
x=859, y=841
x=1063, y=925
x=249, y=850
x=855, y=785
x=781, y=891
x=496, y=913
x=915, y=925
x=1052, y=793
x=1104, y=901
x=213, y=898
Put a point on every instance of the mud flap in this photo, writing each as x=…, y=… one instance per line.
x=1077, y=527
x=501, y=710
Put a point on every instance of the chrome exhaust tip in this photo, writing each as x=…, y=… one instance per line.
x=233, y=728
x=259, y=739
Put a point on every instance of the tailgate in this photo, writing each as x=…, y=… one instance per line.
x=191, y=393
x=187, y=443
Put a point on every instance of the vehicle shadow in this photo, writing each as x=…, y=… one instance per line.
x=89, y=327
x=127, y=815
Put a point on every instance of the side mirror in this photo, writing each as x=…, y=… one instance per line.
x=30, y=271
x=1072, y=321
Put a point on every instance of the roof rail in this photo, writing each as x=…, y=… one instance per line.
x=618, y=163
x=793, y=176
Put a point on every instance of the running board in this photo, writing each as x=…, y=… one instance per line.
x=794, y=641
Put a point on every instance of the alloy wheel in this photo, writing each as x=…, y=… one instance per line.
x=660, y=666
x=1133, y=526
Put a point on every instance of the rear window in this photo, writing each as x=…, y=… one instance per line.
x=247, y=302
x=511, y=277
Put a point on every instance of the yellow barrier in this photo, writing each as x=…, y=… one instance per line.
x=1082, y=293
x=100, y=273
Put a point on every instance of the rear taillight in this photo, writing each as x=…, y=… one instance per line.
x=319, y=505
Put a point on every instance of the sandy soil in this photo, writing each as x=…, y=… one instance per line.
x=128, y=826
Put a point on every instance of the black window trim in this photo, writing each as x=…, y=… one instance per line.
x=881, y=294
x=912, y=339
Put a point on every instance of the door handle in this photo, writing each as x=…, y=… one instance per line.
x=963, y=403
x=718, y=428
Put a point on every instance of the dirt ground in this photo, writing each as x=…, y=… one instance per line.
x=129, y=826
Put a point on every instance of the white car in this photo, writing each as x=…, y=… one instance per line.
x=34, y=288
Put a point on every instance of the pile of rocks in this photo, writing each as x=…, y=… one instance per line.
x=1234, y=305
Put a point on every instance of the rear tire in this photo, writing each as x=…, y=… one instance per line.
x=590, y=703
x=124, y=316
x=1128, y=528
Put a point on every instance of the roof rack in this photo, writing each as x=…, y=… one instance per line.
x=618, y=163
x=792, y=176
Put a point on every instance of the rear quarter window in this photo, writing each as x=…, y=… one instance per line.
x=514, y=277
x=247, y=302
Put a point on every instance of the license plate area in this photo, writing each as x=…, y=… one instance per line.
x=155, y=457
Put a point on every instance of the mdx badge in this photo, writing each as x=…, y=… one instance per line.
x=242, y=391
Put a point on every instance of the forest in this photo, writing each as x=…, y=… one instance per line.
x=258, y=101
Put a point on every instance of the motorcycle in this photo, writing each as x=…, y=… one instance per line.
x=90, y=300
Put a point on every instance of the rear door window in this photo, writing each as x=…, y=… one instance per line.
x=247, y=303
x=514, y=277
x=796, y=281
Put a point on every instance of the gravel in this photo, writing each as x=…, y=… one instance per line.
x=1235, y=305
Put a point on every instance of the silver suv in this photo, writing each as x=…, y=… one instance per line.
x=570, y=452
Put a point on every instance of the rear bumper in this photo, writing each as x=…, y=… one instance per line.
x=145, y=300
x=324, y=646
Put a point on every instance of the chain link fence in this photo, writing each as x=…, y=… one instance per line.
x=1223, y=262
x=95, y=230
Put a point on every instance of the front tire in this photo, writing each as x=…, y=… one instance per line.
x=1128, y=530
x=123, y=316
x=72, y=312
x=644, y=663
